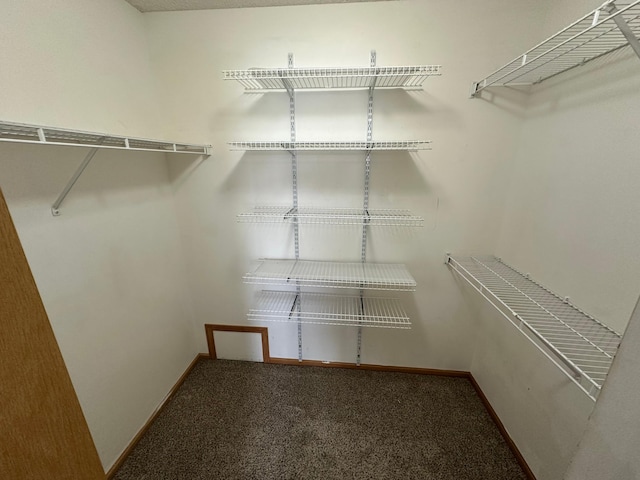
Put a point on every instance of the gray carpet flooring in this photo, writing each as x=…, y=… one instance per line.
x=242, y=420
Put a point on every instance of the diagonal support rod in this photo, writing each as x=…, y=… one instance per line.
x=625, y=29
x=55, y=208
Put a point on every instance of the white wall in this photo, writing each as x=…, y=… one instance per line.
x=109, y=269
x=571, y=222
x=609, y=448
x=571, y=212
x=77, y=64
x=543, y=411
x=457, y=187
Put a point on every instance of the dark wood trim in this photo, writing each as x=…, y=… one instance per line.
x=123, y=456
x=211, y=343
x=263, y=331
x=368, y=366
x=503, y=431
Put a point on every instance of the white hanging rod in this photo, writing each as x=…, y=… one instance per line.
x=312, y=273
x=332, y=216
x=410, y=146
x=344, y=78
x=323, y=309
x=609, y=27
x=41, y=135
x=575, y=341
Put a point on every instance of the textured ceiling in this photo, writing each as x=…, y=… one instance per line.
x=171, y=5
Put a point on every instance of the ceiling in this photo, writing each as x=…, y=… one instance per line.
x=172, y=5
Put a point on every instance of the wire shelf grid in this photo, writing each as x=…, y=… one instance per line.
x=23, y=133
x=332, y=216
x=338, y=78
x=325, y=309
x=311, y=273
x=411, y=145
x=579, y=341
x=592, y=36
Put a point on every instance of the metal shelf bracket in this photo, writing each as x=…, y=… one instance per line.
x=623, y=26
x=55, y=208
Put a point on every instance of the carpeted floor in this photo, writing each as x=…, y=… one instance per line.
x=242, y=420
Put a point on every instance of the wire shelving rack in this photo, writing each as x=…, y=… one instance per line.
x=609, y=27
x=326, y=309
x=298, y=306
x=578, y=343
x=36, y=134
x=411, y=145
x=311, y=273
x=348, y=78
x=40, y=135
x=332, y=216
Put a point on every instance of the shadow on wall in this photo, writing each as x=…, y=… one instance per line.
x=35, y=174
x=181, y=167
x=612, y=76
x=518, y=378
x=339, y=116
x=329, y=176
x=513, y=100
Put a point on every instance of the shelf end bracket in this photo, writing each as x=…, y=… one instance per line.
x=474, y=89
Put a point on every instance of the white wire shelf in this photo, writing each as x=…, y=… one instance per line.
x=36, y=134
x=349, y=78
x=276, y=306
x=411, y=145
x=332, y=216
x=592, y=36
x=310, y=273
x=583, y=346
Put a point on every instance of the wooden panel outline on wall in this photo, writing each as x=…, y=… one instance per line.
x=210, y=328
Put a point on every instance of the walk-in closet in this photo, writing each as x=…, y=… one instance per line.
x=320, y=239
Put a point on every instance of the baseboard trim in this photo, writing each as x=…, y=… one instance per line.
x=127, y=451
x=369, y=366
x=503, y=431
